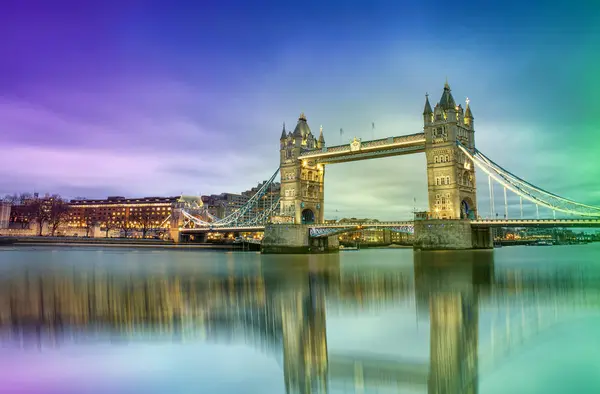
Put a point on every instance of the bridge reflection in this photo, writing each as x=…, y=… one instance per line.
x=281, y=311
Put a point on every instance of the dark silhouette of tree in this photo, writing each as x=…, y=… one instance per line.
x=107, y=225
x=89, y=220
x=38, y=210
x=22, y=211
x=58, y=211
x=144, y=221
x=17, y=199
x=125, y=225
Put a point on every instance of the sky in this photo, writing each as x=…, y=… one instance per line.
x=146, y=98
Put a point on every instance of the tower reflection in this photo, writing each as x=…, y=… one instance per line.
x=449, y=285
x=278, y=307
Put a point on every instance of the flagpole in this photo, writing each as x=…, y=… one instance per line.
x=372, y=130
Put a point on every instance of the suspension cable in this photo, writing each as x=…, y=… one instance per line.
x=525, y=189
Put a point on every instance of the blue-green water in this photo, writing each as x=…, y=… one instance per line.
x=111, y=320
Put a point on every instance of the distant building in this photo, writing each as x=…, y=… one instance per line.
x=224, y=204
x=22, y=213
x=372, y=235
x=4, y=214
x=118, y=211
x=268, y=199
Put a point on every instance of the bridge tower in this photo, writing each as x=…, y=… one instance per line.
x=450, y=175
x=301, y=180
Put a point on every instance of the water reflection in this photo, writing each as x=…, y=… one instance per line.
x=279, y=305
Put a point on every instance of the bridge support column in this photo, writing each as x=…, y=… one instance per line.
x=175, y=223
x=295, y=239
x=450, y=235
x=175, y=235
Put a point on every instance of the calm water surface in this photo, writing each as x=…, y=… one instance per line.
x=107, y=320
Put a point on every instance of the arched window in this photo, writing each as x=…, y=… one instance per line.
x=447, y=180
x=447, y=158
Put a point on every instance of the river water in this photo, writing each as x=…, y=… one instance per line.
x=112, y=320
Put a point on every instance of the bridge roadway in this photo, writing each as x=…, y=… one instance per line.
x=541, y=223
x=318, y=229
x=358, y=150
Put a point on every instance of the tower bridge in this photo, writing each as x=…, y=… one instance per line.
x=295, y=222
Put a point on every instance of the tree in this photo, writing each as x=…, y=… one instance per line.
x=22, y=211
x=125, y=225
x=18, y=199
x=107, y=225
x=144, y=221
x=89, y=220
x=58, y=211
x=37, y=209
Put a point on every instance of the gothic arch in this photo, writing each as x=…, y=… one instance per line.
x=308, y=216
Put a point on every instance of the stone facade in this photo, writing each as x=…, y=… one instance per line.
x=450, y=235
x=295, y=239
x=450, y=175
x=302, y=190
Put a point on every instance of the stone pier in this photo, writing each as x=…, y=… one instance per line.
x=295, y=239
x=445, y=234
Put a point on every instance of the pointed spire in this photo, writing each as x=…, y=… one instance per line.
x=302, y=129
x=468, y=113
x=321, y=138
x=427, y=110
x=283, y=133
x=447, y=101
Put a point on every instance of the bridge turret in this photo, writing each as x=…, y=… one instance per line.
x=469, y=115
x=321, y=142
x=283, y=139
x=427, y=112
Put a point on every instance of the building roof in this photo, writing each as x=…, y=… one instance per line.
x=302, y=129
x=447, y=101
x=321, y=138
x=121, y=200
